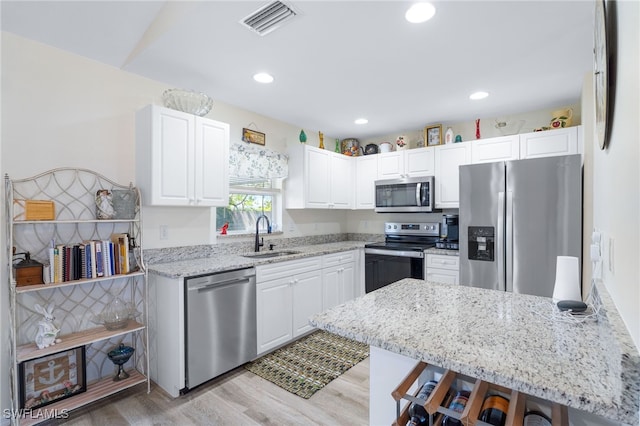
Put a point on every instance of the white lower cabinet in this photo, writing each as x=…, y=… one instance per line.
x=283, y=308
x=287, y=294
x=274, y=312
x=306, y=300
x=339, y=283
x=443, y=268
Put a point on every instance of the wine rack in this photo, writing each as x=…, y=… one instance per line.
x=438, y=401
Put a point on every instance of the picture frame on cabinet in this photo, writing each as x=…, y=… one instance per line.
x=252, y=136
x=51, y=378
x=433, y=135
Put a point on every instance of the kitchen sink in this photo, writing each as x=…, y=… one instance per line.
x=268, y=254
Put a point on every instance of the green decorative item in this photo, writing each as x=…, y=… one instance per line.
x=303, y=136
x=458, y=138
x=338, y=145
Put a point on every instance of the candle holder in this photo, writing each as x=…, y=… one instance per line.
x=119, y=357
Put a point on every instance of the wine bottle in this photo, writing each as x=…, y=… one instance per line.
x=418, y=416
x=494, y=410
x=457, y=404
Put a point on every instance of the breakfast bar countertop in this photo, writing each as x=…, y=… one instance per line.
x=515, y=340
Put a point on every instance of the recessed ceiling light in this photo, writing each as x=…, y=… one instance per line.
x=478, y=95
x=361, y=121
x=263, y=77
x=420, y=12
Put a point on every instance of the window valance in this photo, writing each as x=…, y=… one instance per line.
x=250, y=161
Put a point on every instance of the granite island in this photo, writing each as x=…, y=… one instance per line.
x=513, y=340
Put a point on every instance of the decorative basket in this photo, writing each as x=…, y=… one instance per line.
x=124, y=203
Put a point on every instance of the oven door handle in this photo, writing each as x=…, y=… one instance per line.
x=397, y=253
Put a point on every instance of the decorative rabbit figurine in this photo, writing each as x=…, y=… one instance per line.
x=47, y=331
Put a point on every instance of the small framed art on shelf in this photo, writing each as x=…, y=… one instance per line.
x=433, y=135
x=50, y=378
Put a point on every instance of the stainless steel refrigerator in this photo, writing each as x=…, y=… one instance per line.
x=516, y=217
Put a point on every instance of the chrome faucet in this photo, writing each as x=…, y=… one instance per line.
x=260, y=243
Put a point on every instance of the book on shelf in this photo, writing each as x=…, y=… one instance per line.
x=121, y=243
x=99, y=259
x=52, y=259
x=76, y=272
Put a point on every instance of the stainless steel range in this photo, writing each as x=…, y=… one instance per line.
x=401, y=255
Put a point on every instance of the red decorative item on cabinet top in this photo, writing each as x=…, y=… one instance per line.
x=478, y=128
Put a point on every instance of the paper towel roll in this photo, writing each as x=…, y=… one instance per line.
x=567, y=286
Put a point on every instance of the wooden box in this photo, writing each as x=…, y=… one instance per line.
x=33, y=210
x=29, y=275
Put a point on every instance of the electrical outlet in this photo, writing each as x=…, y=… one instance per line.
x=365, y=224
x=164, y=232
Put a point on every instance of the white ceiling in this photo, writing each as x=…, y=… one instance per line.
x=337, y=60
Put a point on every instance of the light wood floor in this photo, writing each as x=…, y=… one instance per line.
x=237, y=398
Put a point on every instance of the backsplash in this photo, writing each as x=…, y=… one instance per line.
x=172, y=254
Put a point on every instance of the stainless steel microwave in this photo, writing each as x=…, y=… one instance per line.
x=404, y=195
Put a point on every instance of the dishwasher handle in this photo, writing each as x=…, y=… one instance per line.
x=221, y=279
x=219, y=284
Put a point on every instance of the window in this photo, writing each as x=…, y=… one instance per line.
x=248, y=199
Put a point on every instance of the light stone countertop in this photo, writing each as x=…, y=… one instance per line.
x=443, y=252
x=224, y=262
x=514, y=340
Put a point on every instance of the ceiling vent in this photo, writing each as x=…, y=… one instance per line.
x=268, y=18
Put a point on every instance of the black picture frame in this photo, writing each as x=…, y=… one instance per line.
x=252, y=136
x=52, y=378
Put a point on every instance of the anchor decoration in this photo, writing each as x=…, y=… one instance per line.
x=53, y=378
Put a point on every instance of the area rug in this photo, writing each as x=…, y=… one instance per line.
x=308, y=364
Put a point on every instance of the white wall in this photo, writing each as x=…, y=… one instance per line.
x=616, y=177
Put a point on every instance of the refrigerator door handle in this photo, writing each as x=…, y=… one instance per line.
x=500, y=241
x=509, y=240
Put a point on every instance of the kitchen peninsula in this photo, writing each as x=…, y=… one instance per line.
x=513, y=340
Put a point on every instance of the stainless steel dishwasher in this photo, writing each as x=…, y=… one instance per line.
x=220, y=321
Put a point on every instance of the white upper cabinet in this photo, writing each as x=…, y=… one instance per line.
x=495, y=149
x=390, y=165
x=318, y=179
x=341, y=169
x=366, y=174
x=420, y=162
x=211, y=163
x=448, y=158
x=551, y=143
x=407, y=163
x=181, y=159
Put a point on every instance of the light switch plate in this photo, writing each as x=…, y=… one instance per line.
x=164, y=232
